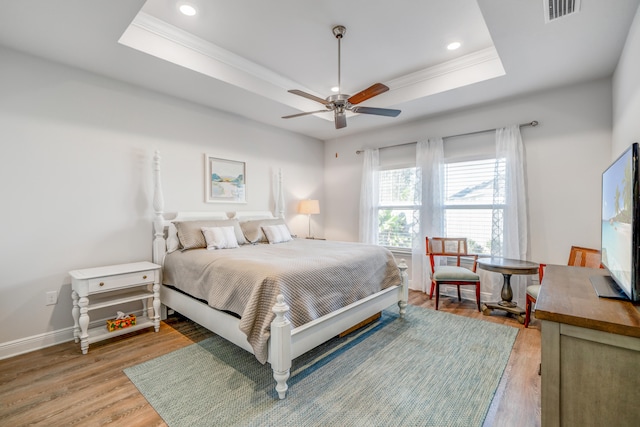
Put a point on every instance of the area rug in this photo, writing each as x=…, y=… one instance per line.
x=428, y=369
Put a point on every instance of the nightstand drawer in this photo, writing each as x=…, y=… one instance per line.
x=101, y=284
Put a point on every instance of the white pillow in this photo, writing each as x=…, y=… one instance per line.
x=277, y=233
x=220, y=237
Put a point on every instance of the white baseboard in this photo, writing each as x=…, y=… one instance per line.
x=36, y=342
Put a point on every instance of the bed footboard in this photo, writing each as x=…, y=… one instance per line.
x=285, y=344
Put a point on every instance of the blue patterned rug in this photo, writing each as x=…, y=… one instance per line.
x=428, y=369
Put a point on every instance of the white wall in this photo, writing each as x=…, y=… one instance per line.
x=76, y=185
x=565, y=157
x=626, y=92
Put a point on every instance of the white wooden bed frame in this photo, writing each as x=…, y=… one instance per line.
x=286, y=343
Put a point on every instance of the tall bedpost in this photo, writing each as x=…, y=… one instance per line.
x=279, y=196
x=159, y=244
x=281, y=347
x=404, y=292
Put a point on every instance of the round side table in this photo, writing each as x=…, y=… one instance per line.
x=507, y=267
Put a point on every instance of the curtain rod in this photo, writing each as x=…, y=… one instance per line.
x=533, y=123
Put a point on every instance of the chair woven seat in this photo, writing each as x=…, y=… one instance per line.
x=448, y=272
x=533, y=291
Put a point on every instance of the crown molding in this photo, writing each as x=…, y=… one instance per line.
x=183, y=38
x=464, y=62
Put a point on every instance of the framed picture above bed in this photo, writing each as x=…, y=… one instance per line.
x=225, y=180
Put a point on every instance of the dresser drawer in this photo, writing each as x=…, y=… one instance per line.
x=101, y=284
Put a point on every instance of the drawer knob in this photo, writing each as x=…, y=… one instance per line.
x=101, y=283
x=144, y=277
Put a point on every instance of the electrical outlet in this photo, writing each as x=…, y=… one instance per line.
x=52, y=298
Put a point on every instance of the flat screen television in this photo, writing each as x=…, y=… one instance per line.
x=620, y=232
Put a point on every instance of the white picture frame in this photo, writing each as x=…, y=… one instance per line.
x=225, y=180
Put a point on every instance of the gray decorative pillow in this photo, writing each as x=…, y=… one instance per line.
x=252, y=229
x=190, y=232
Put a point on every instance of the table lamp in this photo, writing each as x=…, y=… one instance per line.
x=309, y=207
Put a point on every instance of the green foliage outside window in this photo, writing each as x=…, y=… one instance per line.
x=394, y=230
x=474, y=247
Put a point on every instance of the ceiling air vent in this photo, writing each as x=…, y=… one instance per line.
x=554, y=9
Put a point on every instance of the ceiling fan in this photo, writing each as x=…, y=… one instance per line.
x=340, y=103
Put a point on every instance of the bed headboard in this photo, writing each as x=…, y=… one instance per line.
x=161, y=224
x=203, y=215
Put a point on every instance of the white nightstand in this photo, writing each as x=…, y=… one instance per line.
x=100, y=287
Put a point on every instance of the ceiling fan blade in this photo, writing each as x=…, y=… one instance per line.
x=308, y=96
x=377, y=111
x=369, y=92
x=304, y=114
x=341, y=120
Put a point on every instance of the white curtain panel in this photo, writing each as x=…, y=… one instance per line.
x=430, y=188
x=515, y=244
x=369, y=196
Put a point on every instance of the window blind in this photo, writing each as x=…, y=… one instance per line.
x=474, y=199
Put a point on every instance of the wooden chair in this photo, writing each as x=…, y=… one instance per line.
x=448, y=274
x=578, y=257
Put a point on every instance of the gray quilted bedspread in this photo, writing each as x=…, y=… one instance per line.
x=316, y=277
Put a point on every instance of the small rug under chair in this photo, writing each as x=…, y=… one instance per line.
x=428, y=369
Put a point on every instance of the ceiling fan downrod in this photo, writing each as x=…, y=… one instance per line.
x=339, y=31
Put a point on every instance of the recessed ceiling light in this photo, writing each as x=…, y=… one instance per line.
x=335, y=89
x=187, y=9
x=454, y=45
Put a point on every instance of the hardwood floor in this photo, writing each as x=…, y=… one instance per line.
x=58, y=386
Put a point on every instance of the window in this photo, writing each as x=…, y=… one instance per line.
x=397, y=206
x=474, y=205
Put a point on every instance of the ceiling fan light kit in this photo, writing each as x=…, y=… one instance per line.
x=340, y=103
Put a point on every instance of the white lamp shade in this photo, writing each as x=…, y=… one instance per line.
x=309, y=207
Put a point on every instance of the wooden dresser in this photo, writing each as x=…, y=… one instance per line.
x=590, y=352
